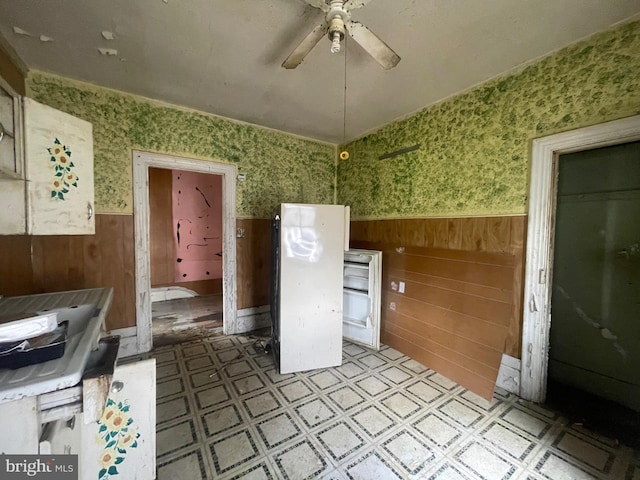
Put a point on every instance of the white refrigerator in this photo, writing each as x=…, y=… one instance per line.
x=312, y=289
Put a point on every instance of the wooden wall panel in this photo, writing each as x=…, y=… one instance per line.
x=462, y=304
x=462, y=376
x=37, y=264
x=480, y=307
x=439, y=323
x=253, y=262
x=498, y=235
x=518, y=239
x=70, y=262
x=162, y=249
x=16, y=275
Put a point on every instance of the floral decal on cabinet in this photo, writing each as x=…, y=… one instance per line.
x=118, y=433
x=63, y=175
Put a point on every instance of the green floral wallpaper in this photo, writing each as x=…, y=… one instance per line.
x=475, y=148
x=278, y=167
x=473, y=160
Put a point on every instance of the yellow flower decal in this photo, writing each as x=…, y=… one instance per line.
x=118, y=433
x=108, y=457
x=127, y=438
x=71, y=179
x=58, y=185
x=57, y=150
x=114, y=418
x=63, y=175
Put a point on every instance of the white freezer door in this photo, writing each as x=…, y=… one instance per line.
x=362, y=272
x=311, y=251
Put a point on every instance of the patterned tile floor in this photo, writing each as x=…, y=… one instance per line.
x=224, y=412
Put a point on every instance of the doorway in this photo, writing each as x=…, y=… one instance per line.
x=142, y=162
x=539, y=256
x=185, y=224
x=594, y=354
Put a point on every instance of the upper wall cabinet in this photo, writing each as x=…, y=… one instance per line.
x=46, y=169
x=12, y=186
x=10, y=133
x=58, y=157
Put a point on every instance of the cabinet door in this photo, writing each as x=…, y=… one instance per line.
x=13, y=211
x=10, y=133
x=122, y=444
x=59, y=171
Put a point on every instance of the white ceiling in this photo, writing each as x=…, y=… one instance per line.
x=224, y=56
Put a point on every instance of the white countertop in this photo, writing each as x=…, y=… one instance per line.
x=86, y=311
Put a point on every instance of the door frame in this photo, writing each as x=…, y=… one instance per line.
x=541, y=224
x=142, y=161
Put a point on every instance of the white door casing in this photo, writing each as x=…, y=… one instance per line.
x=141, y=163
x=539, y=257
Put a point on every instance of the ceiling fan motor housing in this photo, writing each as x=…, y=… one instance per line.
x=336, y=17
x=336, y=25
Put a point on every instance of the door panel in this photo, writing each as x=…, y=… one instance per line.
x=595, y=332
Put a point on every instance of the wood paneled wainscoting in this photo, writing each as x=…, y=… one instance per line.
x=37, y=264
x=452, y=291
x=55, y=263
x=253, y=251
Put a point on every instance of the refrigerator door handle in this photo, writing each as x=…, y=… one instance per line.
x=347, y=225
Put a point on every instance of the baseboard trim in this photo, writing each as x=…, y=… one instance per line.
x=249, y=319
x=128, y=341
x=509, y=374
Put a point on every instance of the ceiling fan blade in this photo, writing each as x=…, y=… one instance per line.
x=321, y=4
x=354, y=4
x=302, y=50
x=375, y=47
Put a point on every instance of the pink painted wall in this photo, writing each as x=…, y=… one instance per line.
x=197, y=225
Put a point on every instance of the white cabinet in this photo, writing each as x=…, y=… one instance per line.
x=59, y=171
x=123, y=441
x=12, y=185
x=13, y=207
x=10, y=133
x=48, y=190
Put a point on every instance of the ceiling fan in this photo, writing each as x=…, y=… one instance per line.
x=336, y=24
